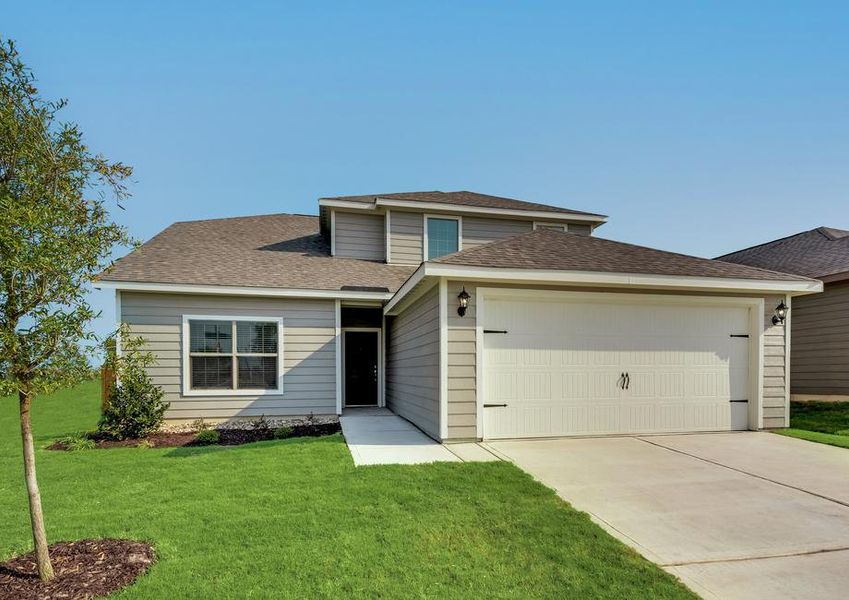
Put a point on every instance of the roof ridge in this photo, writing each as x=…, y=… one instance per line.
x=769, y=243
x=246, y=217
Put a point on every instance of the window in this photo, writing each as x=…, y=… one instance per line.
x=442, y=236
x=232, y=356
x=553, y=226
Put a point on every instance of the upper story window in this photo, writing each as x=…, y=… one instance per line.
x=224, y=355
x=442, y=236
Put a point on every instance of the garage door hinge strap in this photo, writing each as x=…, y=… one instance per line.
x=495, y=331
x=744, y=335
x=494, y=405
x=744, y=401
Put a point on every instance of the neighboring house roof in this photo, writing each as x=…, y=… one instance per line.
x=557, y=251
x=275, y=251
x=464, y=198
x=822, y=253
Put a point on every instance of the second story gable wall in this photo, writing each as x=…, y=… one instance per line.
x=483, y=230
x=359, y=235
x=406, y=236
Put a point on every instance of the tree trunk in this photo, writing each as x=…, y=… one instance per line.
x=39, y=536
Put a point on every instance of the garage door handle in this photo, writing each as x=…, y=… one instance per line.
x=495, y=406
x=627, y=380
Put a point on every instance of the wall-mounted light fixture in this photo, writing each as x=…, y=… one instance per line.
x=463, y=297
x=780, y=313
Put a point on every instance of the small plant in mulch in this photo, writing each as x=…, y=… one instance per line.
x=207, y=437
x=281, y=433
x=77, y=441
x=84, y=569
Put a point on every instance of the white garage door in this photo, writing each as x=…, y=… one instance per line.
x=565, y=365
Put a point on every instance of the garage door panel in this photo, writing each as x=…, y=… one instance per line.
x=558, y=368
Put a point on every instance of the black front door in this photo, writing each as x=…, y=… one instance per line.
x=361, y=368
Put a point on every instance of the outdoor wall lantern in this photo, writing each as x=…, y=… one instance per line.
x=780, y=313
x=464, y=298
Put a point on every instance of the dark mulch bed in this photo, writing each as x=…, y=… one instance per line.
x=228, y=437
x=84, y=569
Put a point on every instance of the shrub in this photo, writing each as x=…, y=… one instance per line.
x=135, y=406
x=842, y=432
x=281, y=433
x=208, y=436
x=144, y=444
x=77, y=442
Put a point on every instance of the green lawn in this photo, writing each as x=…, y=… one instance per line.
x=294, y=518
x=823, y=422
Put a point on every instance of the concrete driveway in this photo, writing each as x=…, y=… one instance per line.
x=736, y=515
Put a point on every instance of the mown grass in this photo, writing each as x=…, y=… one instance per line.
x=295, y=518
x=821, y=422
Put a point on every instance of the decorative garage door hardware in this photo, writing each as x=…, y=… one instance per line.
x=742, y=335
x=624, y=381
x=495, y=331
x=744, y=401
x=495, y=406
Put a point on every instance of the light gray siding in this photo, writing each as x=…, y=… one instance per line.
x=774, y=380
x=462, y=406
x=309, y=346
x=482, y=230
x=462, y=357
x=406, y=237
x=360, y=235
x=819, y=362
x=412, y=364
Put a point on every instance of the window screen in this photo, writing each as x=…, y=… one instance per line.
x=443, y=237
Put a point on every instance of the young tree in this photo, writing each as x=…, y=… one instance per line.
x=56, y=235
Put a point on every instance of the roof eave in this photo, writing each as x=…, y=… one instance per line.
x=598, y=278
x=232, y=290
x=461, y=208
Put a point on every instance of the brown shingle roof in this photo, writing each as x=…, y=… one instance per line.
x=558, y=251
x=816, y=253
x=284, y=251
x=464, y=198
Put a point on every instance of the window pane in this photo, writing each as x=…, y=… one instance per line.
x=442, y=237
x=212, y=372
x=258, y=372
x=211, y=336
x=255, y=337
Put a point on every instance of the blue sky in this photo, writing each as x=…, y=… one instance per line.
x=699, y=127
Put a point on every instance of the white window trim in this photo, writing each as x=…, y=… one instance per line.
x=426, y=216
x=184, y=354
x=538, y=224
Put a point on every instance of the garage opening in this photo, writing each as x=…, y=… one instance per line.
x=563, y=364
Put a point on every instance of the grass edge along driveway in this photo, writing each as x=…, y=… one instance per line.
x=819, y=422
x=295, y=518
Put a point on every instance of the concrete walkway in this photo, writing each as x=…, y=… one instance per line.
x=377, y=436
x=739, y=515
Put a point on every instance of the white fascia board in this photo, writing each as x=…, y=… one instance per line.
x=227, y=290
x=405, y=289
x=594, y=278
x=792, y=287
x=464, y=208
x=440, y=207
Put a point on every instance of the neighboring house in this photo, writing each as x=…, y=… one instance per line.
x=819, y=324
x=562, y=333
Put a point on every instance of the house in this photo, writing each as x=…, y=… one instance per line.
x=472, y=316
x=819, y=360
